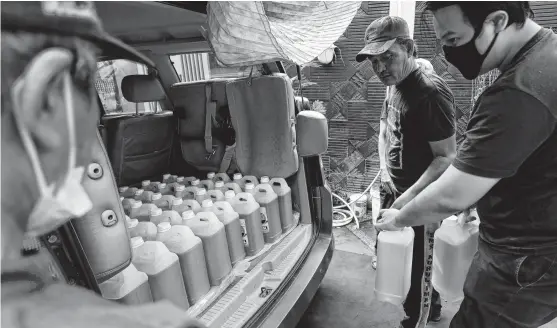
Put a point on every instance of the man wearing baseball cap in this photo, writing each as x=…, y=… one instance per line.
x=49, y=116
x=416, y=144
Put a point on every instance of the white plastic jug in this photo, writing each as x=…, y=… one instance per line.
x=201, y=195
x=454, y=248
x=234, y=187
x=196, y=183
x=269, y=211
x=127, y=204
x=164, y=189
x=231, y=220
x=165, y=202
x=207, y=226
x=215, y=195
x=248, y=179
x=219, y=185
x=181, y=241
x=141, y=211
x=127, y=192
x=127, y=287
x=252, y=231
x=207, y=184
x=138, y=194
x=190, y=192
x=163, y=269
x=229, y=196
x=186, y=216
x=132, y=226
x=284, y=194
x=249, y=188
x=222, y=177
x=169, y=216
x=148, y=197
x=167, y=178
x=146, y=185
x=146, y=230
x=211, y=176
x=180, y=180
x=207, y=206
x=179, y=191
x=394, y=265
x=237, y=178
x=188, y=181
x=179, y=206
x=192, y=205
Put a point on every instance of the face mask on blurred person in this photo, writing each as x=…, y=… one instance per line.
x=57, y=203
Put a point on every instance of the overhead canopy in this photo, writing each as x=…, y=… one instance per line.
x=244, y=33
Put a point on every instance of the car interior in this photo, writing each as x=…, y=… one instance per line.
x=251, y=124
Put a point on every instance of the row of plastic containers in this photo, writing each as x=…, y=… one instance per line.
x=187, y=234
x=455, y=244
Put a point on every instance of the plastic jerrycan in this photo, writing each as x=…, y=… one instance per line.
x=141, y=211
x=219, y=185
x=192, y=205
x=190, y=192
x=211, y=176
x=138, y=193
x=179, y=206
x=249, y=188
x=146, y=230
x=229, y=196
x=170, y=216
x=394, y=265
x=188, y=181
x=264, y=180
x=454, y=247
x=237, y=178
x=164, y=189
x=284, y=194
x=147, y=197
x=129, y=287
x=249, y=179
x=201, y=195
x=207, y=226
x=231, y=220
x=270, y=212
x=207, y=184
x=127, y=204
x=207, y=206
x=163, y=269
x=165, y=202
x=215, y=195
x=168, y=178
x=181, y=241
x=127, y=192
x=252, y=231
x=222, y=177
x=234, y=187
x=132, y=226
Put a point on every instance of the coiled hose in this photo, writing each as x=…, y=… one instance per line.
x=348, y=214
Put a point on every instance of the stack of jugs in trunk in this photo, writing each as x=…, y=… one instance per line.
x=129, y=287
x=284, y=195
x=252, y=231
x=269, y=211
x=455, y=244
x=231, y=220
x=207, y=226
x=163, y=270
x=180, y=240
x=394, y=265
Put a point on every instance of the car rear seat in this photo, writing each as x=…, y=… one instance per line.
x=139, y=145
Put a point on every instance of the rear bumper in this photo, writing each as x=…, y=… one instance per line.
x=288, y=310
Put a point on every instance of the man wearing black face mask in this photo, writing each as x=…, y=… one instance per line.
x=507, y=163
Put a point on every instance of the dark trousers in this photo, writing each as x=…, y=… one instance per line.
x=413, y=304
x=506, y=290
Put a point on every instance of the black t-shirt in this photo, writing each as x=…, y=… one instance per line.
x=417, y=111
x=512, y=135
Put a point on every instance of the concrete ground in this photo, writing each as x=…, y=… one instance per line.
x=345, y=298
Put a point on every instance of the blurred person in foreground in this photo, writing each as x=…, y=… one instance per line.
x=416, y=144
x=49, y=117
x=507, y=163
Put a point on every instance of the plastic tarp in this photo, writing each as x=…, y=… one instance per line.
x=244, y=33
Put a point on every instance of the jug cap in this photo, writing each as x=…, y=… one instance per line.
x=249, y=186
x=229, y=194
x=188, y=215
x=211, y=175
x=123, y=189
x=180, y=188
x=177, y=201
x=180, y=179
x=137, y=241
x=163, y=227
x=264, y=179
x=145, y=183
x=207, y=203
x=162, y=185
x=166, y=176
x=155, y=212
x=195, y=182
x=237, y=176
x=219, y=184
x=132, y=223
x=138, y=192
x=156, y=196
x=137, y=204
x=201, y=192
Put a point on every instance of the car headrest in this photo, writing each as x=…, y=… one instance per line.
x=142, y=88
x=312, y=133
